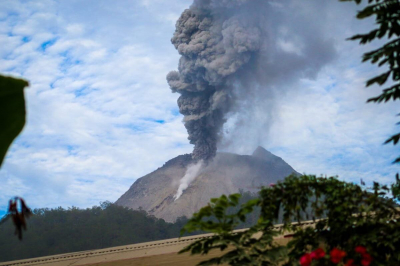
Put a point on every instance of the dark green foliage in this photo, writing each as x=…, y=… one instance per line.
x=12, y=111
x=351, y=216
x=387, y=18
x=55, y=231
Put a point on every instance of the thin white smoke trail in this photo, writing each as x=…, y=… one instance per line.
x=191, y=173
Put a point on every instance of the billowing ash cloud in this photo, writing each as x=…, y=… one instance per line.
x=234, y=52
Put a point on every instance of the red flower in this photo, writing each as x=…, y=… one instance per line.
x=337, y=255
x=317, y=254
x=366, y=259
x=305, y=260
x=360, y=249
x=350, y=262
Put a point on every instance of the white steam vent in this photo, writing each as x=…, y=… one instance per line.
x=191, y=173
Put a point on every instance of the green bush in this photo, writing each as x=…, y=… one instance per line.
x=345, y=215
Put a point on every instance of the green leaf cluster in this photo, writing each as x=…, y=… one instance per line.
x=241, y=248
x=387, y=18
x=12, y=111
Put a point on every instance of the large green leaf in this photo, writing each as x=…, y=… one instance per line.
x=12, y=111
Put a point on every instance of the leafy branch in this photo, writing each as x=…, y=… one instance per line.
x=387, y=18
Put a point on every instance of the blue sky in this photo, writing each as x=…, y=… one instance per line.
x=101, y=115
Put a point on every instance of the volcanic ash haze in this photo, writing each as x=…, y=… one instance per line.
x=236, y=52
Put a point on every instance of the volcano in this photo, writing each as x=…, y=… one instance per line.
x=228, y=173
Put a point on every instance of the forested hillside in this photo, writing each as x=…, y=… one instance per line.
x=55, y=231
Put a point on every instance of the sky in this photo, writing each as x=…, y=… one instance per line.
x=100, y=113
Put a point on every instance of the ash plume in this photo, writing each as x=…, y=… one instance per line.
x=234, y=52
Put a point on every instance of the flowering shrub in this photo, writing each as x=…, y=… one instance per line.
x=317, y=257
x=306, y=259
x=317, y=254
x=349, y=220
x=337, y=255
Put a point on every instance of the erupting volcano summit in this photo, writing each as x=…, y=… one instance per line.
x=226, y=174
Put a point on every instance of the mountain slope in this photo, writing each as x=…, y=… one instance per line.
x=226, y=174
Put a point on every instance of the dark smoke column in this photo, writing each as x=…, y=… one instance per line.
x=215, y=41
